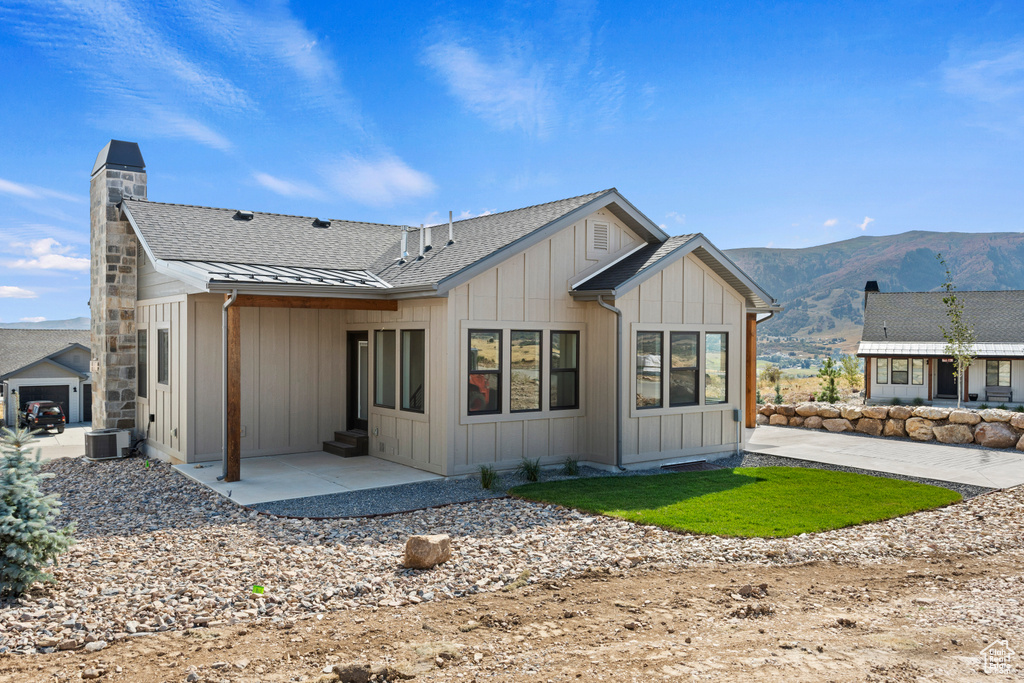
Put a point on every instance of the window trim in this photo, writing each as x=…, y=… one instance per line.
x=893, y=371
x=540, y=374
x=163, y=333
x=376, y=372
x=914, y=363
x=636, y=378
x=576, y=370
x=401, y=370
x=881, y=363
x=725, y=399
x=998, y=360
x=696, y=370
x=497, y=371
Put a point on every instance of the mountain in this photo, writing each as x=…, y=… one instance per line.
x=822, y=287
x=72, y=324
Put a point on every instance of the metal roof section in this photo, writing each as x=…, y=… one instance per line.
x=996, y=316
x=121, y=156
x=220, y=273
x=932, y=349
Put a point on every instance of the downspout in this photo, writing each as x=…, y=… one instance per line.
x=224, y=383
x=618, y=377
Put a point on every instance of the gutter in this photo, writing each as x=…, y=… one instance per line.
x=224, y=384
x=618, y=377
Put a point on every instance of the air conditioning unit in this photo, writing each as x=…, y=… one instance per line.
x=107, y=444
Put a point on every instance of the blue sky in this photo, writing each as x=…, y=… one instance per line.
x=784, y=124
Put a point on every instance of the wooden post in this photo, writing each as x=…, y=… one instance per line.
x=967, y=382
x=867, y=379
x=930, y=378
x=751, y=407
x=234, y=394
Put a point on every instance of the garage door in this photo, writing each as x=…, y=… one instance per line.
x=86, y=403
x=57, y=394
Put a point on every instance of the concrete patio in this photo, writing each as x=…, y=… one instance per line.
x=976, y=466
x=298, y=475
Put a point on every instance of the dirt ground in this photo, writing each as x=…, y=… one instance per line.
x=813, y=622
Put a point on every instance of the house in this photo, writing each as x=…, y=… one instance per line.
x=46, y=365
x=575, y=328
x=905, y=352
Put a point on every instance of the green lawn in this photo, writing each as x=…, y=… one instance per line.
x=753, y=501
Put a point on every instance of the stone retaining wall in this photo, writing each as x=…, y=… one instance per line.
x=990, y=428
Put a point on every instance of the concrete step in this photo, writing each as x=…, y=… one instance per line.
x=345, y=450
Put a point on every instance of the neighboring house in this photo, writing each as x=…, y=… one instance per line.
x=540, y=332
x=904, y=350
x=46, y=365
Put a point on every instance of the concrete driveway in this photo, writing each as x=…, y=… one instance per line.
x=965, y=465
x=70, y=444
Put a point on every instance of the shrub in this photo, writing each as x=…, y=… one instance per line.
x=1019, y=409
x=571, y=466
x=778, y=394
x=918, y=401
x=771, y=374
x=29, y=539
x=830, y=372
x=1002, y=406
x=758, y=400
x=488, y=476
x=895, y=401
x=530, y=469
x=983, y=406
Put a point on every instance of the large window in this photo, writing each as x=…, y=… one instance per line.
x=997, y=373
x=142, y=374
x=525, y=371
x=684, y=360
x=648, y=369
x=716, y=367
x=384, y=368
x=414, y=358
x=900, y=371
x=565, y=376
x=917, y=371
x=484, y=372
x=881, y=371
x=163, y=355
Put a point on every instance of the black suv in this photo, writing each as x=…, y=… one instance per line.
x=42, y=415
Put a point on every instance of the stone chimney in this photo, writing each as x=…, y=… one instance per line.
x=119, y=172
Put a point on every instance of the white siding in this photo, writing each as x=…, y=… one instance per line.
x=167, y=403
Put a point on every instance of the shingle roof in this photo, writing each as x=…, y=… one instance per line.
x=19, y=348
x=919, y=316
x=633, y=265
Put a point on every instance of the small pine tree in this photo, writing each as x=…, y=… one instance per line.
x=778, y=393
x=830, y=372
x=29, y=541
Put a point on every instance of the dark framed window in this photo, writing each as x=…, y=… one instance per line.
x=881, y=371
x=684, y=359
x=414, y=362
x=384, y=368
x=163, y=355
x=484, y=391
x=565, y=370
x=900, y=371
x=648, y=369
x=525, y=370
x=917, y=371
x=142, y=373
x=997, y=373
x=716, y=367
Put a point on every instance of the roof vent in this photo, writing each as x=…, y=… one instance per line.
x=317, y=223
x=243, y=215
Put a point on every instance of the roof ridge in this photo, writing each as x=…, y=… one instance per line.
x=532, y=206
x=959, y=291
x=264, y=213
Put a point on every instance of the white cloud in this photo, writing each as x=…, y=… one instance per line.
x=286, y=188
x=34, y=192
x=378, y=182
x=865, y=223
x=679, y=218
x=38, y=319
x=990, y=74
x=830, y=222
x=9, y=292
x=48, y=254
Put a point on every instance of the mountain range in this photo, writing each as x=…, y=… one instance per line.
x=70, y=324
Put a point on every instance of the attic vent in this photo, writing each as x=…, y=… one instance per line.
x=317, y=223
x=243, y=215
x=598, y=239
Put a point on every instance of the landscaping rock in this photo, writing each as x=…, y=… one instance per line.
x=875, y=412
x=994, y=415
x=788, y=411
x=796, y=421
x=828, y=412
x=837, y=425
x=762, y=419
x=807, y=409
x=851, y=412
x=767, y=410
x=778, y=419
x=895, y=427
x=353, y=673
x=812, y=422
x=953, y=433
x=995, y=435
x=426, y=552
x=1020, y=444
x=1017, y=420
x=869, y=425
x=900, y=412
x=931, y=412
x=920, y=429
x=964, y=417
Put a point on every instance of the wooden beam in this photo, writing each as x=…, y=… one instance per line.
x=751, y=407
x=234, y=394
x=255, y=300
x=930, y=379
x=966, y=379
x=867, y=378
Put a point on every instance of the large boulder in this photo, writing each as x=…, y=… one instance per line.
x=931, y=412
x=425, y=552
x=767, y=410
x=895, y=427
x=788, y=411
x=828, y=411
x=1017, y=420
x=1020, y=444
x=995, y=435
x=778, y=420
x=964, y=417
x=900, y=412
x=796, y=421
x=875, y=412
x=812, y=422
x=869, y=425
x=994, y=415
x=920, y=429
x=762, y=419
x=850, y=412
x=807, y=409
x=837, y=424
x=953, y=433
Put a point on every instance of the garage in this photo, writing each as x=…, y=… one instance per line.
x=57, y=393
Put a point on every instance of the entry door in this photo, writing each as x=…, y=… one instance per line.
x=358, y=380
x=946, y=381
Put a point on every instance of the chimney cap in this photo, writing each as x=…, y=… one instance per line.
x=120, y=155
x=871, y=286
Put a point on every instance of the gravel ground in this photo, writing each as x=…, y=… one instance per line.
x=159, y=552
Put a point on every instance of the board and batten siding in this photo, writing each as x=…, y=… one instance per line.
x=530, y=291
x=684, y=296
x=168, y=433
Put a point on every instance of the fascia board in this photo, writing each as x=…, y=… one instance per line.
x=178, y=271
x=729, y=264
